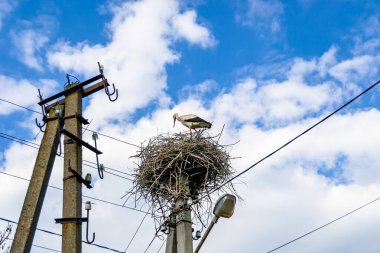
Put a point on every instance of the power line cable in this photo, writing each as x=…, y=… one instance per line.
x=54, y=233
x=12, y=103
x=39, y=246
x=137, y=230
x=15, y=140
x=113, y=138
x=111, y=173
x=325, y=225
x=85, y=196
x=295, y=138
x=158, y=251
x=93, y=131
x=108, y=168
x=154, y=237
x=11, y=136
x=28, y=143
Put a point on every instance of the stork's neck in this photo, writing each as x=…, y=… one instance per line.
x=176, y=116
x=180, y=119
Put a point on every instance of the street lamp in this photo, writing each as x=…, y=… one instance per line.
x=224, y=207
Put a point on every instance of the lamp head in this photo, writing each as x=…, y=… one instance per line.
x=225, y=206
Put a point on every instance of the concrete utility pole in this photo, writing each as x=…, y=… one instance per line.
x=171, y=242
x=184, y=230
x=181, y=239
x=72, y=188
x=35, y=195
x=72, y=185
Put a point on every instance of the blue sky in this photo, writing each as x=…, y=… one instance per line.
x=266, y=70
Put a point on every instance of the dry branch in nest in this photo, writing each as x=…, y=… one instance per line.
x=169, y=160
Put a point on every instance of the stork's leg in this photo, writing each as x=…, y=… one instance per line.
x=191, y=135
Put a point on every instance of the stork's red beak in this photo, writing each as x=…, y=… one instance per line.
x=174, y=121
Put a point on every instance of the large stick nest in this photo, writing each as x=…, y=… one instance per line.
x=178, y=166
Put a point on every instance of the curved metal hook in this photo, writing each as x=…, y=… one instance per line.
x=93, y=234
x=40, y=126
x=109, y=94
x=99, y=166
x=44, y=116
x=101, y=171
x=108, y=91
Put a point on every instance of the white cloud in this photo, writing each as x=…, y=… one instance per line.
x=262, y=15
x=352, y=71
x=274, y=103
x=30, y=40
x=5, y=7
x=21, y=92
x=199, y=90
x=28, y=43
x=142, y=35
x=185, y=26
x=366, y=36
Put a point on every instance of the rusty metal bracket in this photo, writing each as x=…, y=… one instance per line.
x=86, y=92
x=74, y=87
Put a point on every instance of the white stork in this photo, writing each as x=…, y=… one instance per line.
x=191, y=121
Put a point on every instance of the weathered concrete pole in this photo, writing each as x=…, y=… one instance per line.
x=72, y=188
x=183, y=220
x=35, y=195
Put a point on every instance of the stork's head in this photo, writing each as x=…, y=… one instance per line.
x=175, y=116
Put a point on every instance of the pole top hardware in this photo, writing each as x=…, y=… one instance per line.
x=79, y=85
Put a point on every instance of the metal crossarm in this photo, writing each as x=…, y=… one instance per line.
x=81, y=142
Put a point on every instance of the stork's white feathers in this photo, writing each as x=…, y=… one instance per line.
x=191, y=121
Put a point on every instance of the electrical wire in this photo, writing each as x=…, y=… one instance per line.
x=29, y=142
x=295, y=138
x=154, y=237
x=102, y=134
x=85, y=196
x=36, y=146
x=15, y=140
x=158, y=251
x=113, y=138
x=60, y=235
x=26, y=108
x=137, y=230
x=39, y=246
x=325, y=225
x=116, y=175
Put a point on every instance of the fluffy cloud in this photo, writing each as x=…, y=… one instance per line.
x=273, y=102
x=16, y=90
x=185, y=26
x=31, y=39
x=28, y=43
x=199, y=90
x=5, y=7
x=262, y=15
x=142, y=35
